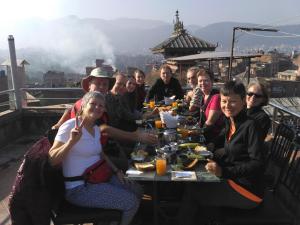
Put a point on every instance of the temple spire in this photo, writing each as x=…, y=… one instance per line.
x=178, y=25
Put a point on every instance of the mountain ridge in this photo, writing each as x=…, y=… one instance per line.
x=151, y=32
x=74, y=43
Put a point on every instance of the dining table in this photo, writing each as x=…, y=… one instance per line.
x=173, y=175
x=169, y=180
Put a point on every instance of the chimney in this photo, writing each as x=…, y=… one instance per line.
x=14, y=72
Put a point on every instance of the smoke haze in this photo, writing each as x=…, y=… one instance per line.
x=60, y=44
x=70, y=44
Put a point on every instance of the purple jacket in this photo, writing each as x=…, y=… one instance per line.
x=31, y=198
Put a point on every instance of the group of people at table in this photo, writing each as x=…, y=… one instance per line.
x=233, y=119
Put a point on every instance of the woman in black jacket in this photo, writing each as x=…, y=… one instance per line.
x=240, y=167
x=141, y=93
x=257, y=97
x=128, y=103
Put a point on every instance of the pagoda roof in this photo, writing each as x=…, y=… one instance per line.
x=182, y=42
x=206, y=56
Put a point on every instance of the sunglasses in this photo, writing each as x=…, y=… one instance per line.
x=250, y=94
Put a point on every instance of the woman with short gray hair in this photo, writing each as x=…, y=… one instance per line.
x=76, y=147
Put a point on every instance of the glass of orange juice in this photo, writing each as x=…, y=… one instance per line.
x=174, y=104
x=161, y=166
x=152, y=104
x=158, y=124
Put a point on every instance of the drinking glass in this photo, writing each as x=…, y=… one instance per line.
x=174, y=104
x=152, y=104
x=158, y=124
x=161, y=165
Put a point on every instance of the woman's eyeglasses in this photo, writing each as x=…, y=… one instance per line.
x=250, y=94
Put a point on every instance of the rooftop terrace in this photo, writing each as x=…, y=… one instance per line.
x=20, y=128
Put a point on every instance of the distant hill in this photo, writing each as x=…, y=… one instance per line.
x=133, y=36
x=73, y=43
x=222, y=33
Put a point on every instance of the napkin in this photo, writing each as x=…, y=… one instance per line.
x=183, y=175
x=180, y=174
x=133, y=172
x=168, y=119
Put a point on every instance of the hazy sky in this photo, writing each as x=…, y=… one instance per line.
x=58, y=46
x=197, y=12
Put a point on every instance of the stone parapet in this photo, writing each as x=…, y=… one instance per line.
x=15, y=124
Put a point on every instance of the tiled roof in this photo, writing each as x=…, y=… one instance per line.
x=214, y=56
x=184, y=41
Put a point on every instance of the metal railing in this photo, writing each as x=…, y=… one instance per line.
x=50, y=97
x=8, y=100
x=284, y=115
x=44, y=98
x=6, y=91
x=39, y=99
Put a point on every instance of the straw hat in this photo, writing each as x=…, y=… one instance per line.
x=95, y=73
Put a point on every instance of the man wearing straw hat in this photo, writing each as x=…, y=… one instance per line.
x=98, y=80
x=101, y=81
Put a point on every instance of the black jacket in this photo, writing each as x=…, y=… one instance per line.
x=261, y=118
x=130, y=114
x=140, y=96
x=160, y=90
x=242, y=160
